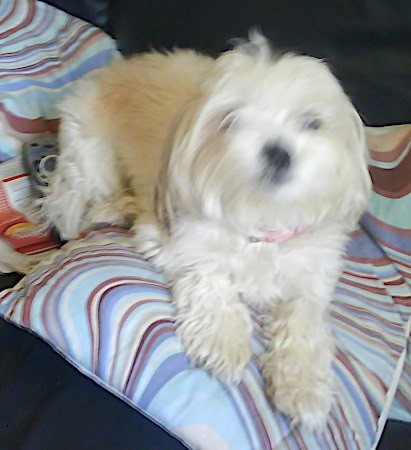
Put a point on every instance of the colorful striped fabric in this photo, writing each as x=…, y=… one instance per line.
x=109, y=313
x=42, y=51
x=388, y=223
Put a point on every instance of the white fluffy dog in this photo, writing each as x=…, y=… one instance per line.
x=243, y=176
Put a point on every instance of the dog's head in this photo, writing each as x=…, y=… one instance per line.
x=272, y=142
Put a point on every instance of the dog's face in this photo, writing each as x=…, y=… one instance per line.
x=274, y=142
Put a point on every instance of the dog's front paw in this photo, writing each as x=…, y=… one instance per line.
x=219, y=343
x=306, y=404
x=215, y=327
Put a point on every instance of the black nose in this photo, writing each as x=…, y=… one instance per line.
x=277, y=157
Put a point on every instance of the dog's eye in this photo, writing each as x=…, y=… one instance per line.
x=311, y=123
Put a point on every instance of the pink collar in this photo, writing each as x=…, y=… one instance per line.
x=277, y=236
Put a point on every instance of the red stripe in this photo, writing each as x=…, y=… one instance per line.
x=30, y=126
x=15, y=177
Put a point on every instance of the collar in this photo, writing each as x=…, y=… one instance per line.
x=276, y=236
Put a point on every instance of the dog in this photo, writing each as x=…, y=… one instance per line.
x=242, y=177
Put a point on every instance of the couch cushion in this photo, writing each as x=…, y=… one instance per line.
x=366, y=42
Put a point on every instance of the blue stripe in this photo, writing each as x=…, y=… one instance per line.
x=94, y=62
x=358, y=400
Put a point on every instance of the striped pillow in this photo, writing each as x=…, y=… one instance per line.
x=109, y=313
x=42, y=51
x=388, y=223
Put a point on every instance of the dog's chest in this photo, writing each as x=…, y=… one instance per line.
x=262, y=271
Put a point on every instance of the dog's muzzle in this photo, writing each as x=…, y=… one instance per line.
x=277, y=162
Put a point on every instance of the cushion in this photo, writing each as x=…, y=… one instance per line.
x=42, y=51
x=109, y=313
x=389, y=225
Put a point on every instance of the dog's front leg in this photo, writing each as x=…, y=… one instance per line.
x=215, y=327
x=298, y=369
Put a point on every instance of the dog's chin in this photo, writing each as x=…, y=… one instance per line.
x=274, y=178
x=283, y=201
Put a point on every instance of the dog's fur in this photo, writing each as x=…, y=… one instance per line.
x=178, y=143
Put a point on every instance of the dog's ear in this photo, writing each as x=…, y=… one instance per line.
x=359, y=134
x=173, y=188
x=163, y=201
x=186, y=174
x=358, y=183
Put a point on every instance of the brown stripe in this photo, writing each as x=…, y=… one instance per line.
x=378, y=262
x=390, y=155
x=364, y=312
x=396, y=282
x=356, y=375
x=404, y=301
x=360, y=275
x=405, y=400
x=261, y=429
x=25, y=70
x=364, y=287
x=92, y=298
x=119, y=327
x=10, y=13
x=358, y=296
x=140, y=354
x=331, y=432
x=393, y=180
x=400, y=194
x=27, y=20
x=376, y=337
x=22, y=51
x=347, y=427
x=388, y=227
x=57, y=67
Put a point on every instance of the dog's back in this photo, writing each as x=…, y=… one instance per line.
x=114, y=127
x=137, y=99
